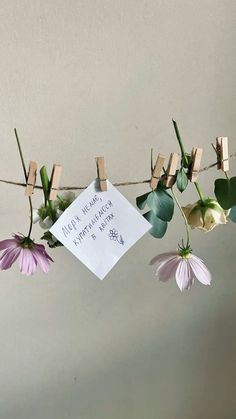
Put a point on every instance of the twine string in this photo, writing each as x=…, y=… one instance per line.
x=128, y=183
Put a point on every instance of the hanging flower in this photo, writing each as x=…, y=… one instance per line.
x=205, y=215
x=45, y=223
x=30, y=255
x=182, y=265
x=47, y=214
x=23, y=248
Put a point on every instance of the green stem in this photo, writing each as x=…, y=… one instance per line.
x=226, y=175
x=45, y=184
x=31, y=217
x=52, y=211
x=151, y=160
x=183, y=154
x=183, y=215
x=21, y=154
x=201, y=196
x=25, y=174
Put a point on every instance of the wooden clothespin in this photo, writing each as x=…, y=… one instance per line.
x=222, y=153
x=157, y=171
x=101, y=173
x=54, y=181
x=196, y=162
x=31, y=179
x=171, y=170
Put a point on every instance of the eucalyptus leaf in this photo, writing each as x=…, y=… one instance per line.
x=232, y=214
x=158, y=226
x=181, y=180
x=142, y=200
x=225, y=192
x=161, y=203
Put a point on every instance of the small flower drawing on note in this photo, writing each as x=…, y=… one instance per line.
x=114, y=235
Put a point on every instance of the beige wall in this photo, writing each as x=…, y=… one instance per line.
x=83, y=78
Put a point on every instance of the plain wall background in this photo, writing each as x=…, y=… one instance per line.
x=85, y=78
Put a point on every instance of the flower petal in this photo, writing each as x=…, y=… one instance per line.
x=9, y=257
x=27, y=262
x=41, y=249
x=200, y=270
x=8, y=243
x=163, y=257
x=42, y=259
x=184, y=276
x=167, y=269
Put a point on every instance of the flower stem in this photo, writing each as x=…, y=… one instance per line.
x=183, y=154
x=201, y=196
x=183, y=215
x=21, y=154
x=52, y=211
x=151, y=160
x=31, y=217
x=25, y=174
x=226, y=175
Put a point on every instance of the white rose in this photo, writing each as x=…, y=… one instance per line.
x=205, y=216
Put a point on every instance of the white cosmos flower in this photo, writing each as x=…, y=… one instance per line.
x=183, y=266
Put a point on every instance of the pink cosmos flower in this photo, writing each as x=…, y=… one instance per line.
x=182, y=265
x=30, y=255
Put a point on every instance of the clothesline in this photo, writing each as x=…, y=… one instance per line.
x=74, y=188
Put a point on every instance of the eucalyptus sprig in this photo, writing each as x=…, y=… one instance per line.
x=161, y=207
x=186, y=162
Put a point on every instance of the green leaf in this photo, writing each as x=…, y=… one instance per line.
x=158, y=226
x=181, y=180
x=161, y=203
x=232, y=214
x=141, y=200
x=225, y=192
x=46, y=236
x=45, y=182
x=49, y=238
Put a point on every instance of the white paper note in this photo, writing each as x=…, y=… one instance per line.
x=99, y=227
